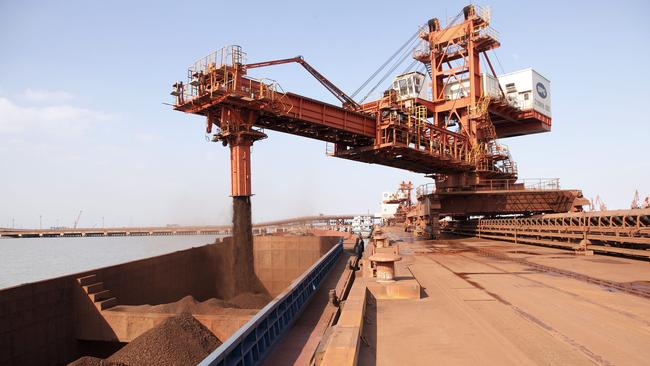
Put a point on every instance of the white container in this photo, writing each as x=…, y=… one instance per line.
x=527, y=89
x=524, y=89
x=490, y=86
x=410, y=85
x=457, y=90
x=388, y=209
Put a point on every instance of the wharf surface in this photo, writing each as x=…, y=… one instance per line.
x=493, y=302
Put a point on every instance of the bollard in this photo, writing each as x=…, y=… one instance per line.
x=385, y=263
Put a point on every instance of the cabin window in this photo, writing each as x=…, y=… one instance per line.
x=403, y=87
x=411, y=91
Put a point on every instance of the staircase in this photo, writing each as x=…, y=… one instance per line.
x=101, y=297
x=428, y=66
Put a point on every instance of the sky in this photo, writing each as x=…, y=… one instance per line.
x=83, y=124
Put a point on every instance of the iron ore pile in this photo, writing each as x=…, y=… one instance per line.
x=188, y=304
x=179, y=340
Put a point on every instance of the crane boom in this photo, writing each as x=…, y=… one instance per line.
x=347, y=101
x=76, y=221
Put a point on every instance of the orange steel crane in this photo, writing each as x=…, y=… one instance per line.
x=636, y=201
x=402, y=197
x=450, y=135
x=597, y=204
x=76, y=221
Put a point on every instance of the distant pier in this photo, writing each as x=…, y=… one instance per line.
x=332, y=222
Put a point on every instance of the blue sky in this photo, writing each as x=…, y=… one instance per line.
x=82, y=124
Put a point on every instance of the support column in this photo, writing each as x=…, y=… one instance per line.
x=242, y=222
x=240, y=167
x=237, y=132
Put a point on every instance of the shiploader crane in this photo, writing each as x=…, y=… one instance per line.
x=449, y=132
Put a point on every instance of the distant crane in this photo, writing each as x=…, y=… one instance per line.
x=635, y=201
x=76, y=222
x=597, y=204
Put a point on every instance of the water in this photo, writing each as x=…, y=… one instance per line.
x=34, y=259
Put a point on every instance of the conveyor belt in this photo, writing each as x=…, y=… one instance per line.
x=622, y=232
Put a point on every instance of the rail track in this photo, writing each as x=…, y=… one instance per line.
x=621, y=232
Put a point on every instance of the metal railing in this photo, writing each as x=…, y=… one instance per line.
x=425, y=189
x=252, y=343
x=213, y=72
x=533, y=184
x=483, y=12
x=219, y=82
x=489, y=32
x=541, y=184
x=410, y=128
x=227, y=55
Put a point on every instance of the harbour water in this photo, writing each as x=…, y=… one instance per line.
x=35, y=259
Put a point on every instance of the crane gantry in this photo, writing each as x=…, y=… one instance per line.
x=449, y=134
